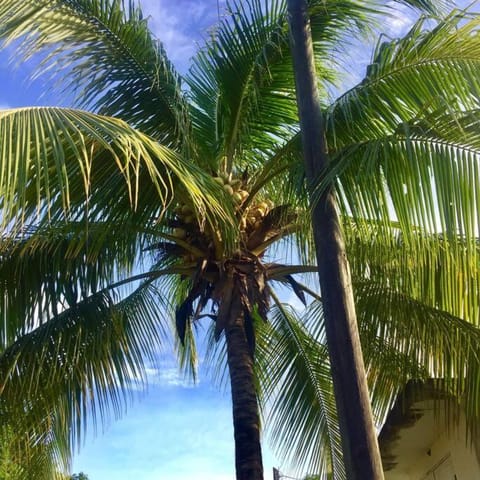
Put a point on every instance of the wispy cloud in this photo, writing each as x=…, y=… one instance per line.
x=400, y=20
x=168, y=375
x=180, y=26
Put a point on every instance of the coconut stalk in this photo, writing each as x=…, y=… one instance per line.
x=359, y=442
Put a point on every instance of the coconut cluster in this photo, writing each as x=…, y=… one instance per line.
x=250, y=214
x=253, y=216
x=233, y=187
x=185, y=220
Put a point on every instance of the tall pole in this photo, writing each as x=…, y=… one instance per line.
x=359, y=440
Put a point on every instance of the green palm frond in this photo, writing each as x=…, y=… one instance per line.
x=445, y=346
x=425, y=71
x=416, y=149
x=64, y=162
x=81, y=365
x=108, y=58
x=294, y=375
x=402, y=339
x=49, y=268
x=424, y=174
x=440, y=275
x=242, y=80
x=428, y=6
x=26, y=452
x=242, y=84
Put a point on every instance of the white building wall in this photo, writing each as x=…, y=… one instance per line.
x=463, y=458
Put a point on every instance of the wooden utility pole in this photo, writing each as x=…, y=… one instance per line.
x=359, y=440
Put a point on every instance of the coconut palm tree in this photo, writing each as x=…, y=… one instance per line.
x=96, y=193
x=411, y=223
x=194, y=186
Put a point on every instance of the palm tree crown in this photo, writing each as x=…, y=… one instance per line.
x=196, y=184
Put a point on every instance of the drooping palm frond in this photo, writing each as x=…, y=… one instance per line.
x=415, y=68
x=425, y=306
x=294, y=375
x=49, y=268
x=107, y=57
x=417, y=152
x=62, y=162
x=432, y=116
x=441, y=276
x=427, y=5
x=402, y=339
x=445, y=346
x=81, y=365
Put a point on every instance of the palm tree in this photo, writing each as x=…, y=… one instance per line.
x=359, y=442
x=411, y=224
x=96, y=193
x=88, y=197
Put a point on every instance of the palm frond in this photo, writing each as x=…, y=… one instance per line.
x=58, y=162
x=108, y=57
x=428, y=70
x=240, y=97
x=242, y=80
x=424, y=174
x=81, y=365
x=444, y=346
x=295, y=378
x=23, y=459
x=49, y=268
x=416, y=148
x=428, y=6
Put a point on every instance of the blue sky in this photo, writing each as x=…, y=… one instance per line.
x=177, y=430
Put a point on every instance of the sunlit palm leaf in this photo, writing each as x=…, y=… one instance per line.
x=57, y=162
x=429, y=71
x=26, y=452
x=417, y=151
x=402, y=339
x=445, y=346
x=242, y=81
x=295, y=376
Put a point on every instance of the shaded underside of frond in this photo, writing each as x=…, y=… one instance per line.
x=49, y=268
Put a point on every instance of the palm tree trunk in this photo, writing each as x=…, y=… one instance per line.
x=359, y=442
x=246, y=420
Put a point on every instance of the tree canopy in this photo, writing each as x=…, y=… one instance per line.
x=137, y=212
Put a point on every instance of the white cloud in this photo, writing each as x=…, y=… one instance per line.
x=399, y=22
x=168, y=376
x=180, y=25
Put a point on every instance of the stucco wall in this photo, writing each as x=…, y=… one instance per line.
x=419, y=461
